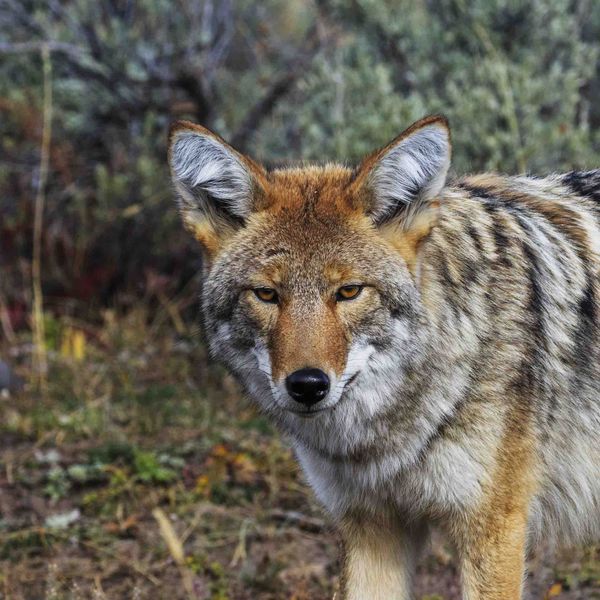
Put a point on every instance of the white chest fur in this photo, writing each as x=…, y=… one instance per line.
x=449, y=478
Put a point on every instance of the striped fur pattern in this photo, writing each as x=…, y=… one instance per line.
x=465, y=378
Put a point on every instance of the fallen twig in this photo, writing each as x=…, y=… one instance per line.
x=175, y=548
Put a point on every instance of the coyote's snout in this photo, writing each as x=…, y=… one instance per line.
x=432, y=350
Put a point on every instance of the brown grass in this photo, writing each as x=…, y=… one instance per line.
x=143, y=474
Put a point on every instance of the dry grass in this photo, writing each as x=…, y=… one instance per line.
x=143, y=474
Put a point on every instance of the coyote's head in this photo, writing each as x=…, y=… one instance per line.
x=311, y=275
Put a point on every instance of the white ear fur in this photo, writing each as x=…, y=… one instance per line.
x=411, y=172
x=205, y=172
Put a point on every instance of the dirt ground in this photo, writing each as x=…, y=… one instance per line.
x=141, y=473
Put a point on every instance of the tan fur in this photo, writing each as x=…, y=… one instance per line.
x=378, y=557
x=491, y=541
x=408, y=242
x=322, y=343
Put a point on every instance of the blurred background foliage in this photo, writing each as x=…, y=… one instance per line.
x=282, y=80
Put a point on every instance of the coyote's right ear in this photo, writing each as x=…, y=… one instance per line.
x=216, y=185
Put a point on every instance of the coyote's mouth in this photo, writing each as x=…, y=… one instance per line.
x=350, y=381
x=310, y=413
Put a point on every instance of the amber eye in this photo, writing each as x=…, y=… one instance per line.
x=348, y=292
x=266, y=295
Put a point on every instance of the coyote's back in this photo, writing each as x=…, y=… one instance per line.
x=528, y=266
x=432, y=350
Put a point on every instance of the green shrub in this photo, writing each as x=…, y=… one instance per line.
x=284, y=80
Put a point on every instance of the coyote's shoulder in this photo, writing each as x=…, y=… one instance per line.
x=432, y=349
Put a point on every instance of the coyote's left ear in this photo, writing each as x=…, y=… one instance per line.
x=400, y=182
x=217, y=186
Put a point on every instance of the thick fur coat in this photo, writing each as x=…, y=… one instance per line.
x=463, y=373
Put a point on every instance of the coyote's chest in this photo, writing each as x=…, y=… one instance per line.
x=450, y=478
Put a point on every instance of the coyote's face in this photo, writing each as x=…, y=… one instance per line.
x=310, y=292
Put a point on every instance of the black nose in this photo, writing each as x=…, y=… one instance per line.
x=307, y=386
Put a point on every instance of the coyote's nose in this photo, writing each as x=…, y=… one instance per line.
x=307, y=386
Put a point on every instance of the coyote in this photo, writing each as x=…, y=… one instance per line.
x=432, y=350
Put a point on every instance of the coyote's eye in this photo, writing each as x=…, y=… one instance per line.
x=266, y=295
x=348, y=292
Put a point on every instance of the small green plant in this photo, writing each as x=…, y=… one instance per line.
x=218, y=576
x=150, y=469
x=57, y=483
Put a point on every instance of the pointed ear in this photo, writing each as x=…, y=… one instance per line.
x=217, y=187
x=399, y=183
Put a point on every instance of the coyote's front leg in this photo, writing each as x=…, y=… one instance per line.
x=491, y=539
x=379, y=558
x=492, y=551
